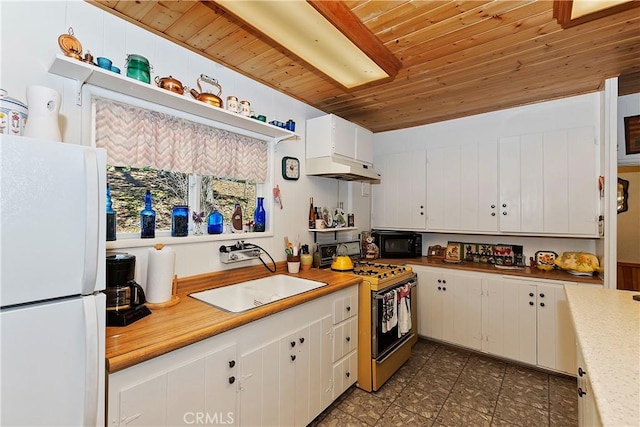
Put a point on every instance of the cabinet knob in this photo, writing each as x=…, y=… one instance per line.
x=493, y=206
x=232, y=380
x=581, y=392
x=541, y=295
x=348, y=339
x=530, y=302
x=293, y=343
x=444, y=289
x=439, y=288
x=293, y=357
x=439, y=281
x=444, y=281
x=581, y=372
x=493, y=214
x=504, y=205
x=421, y=206
x=541, y=304
x=421, y=213
x=348, y=308
x=301, y=340
x=504, y=213
x=531, y=294
x=348, y=374
x=232, y=363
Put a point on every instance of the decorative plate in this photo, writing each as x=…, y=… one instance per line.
x=69, y=44
x=579, y=273
x=327, y=217
x=340, y=217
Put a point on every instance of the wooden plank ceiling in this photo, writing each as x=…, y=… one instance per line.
x=458, y=57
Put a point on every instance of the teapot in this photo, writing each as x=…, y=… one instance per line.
x=209, y=98
x=341, y=262
x=170, y=84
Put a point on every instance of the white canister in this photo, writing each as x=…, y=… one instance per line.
x=13, y=115
x=232, y=104
x=44, y=105
x=160, y=271
x=245, y=108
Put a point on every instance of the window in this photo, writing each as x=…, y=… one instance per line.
x=128, y=186
x=145, y=148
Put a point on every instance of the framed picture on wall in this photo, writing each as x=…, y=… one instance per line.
x=632, y=134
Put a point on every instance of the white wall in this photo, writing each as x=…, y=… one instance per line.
x=583, y=110
x=628, y=105
x=30, y=33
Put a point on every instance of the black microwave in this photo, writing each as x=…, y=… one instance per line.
x=398, y=244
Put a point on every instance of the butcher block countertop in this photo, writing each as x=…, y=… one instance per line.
x=525, y=273
x=607, y=324
x=190, y=320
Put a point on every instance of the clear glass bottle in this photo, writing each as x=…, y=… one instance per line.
x=180, y=221
x=259, y=216
x=111, y=217
x=236, y=219
x=147, y=218
x=215, y=222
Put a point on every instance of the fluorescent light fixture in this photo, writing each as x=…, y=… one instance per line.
x=300, y=28
x=585, y=7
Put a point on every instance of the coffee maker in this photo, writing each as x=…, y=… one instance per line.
x=125, y=298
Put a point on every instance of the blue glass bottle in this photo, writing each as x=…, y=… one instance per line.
x=215, y=222
x=147, y=218
x=180, y=221
x=259, y=216
x=111, y=217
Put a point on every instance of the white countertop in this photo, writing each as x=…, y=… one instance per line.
x=607, y=324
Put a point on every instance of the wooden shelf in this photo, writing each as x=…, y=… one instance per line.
x=84, y=73
x=334, y=230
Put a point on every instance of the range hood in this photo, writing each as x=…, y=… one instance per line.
x=338, y=168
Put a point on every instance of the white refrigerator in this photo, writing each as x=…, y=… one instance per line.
x=52, y=269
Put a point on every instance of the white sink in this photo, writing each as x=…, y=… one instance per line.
x=254, y=293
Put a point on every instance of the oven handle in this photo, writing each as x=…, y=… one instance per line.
x=384, y=356
x=380, y=294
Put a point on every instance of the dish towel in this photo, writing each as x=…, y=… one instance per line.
x=390, y=311
x=404, y=310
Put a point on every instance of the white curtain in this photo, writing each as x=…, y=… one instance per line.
x=142, y=138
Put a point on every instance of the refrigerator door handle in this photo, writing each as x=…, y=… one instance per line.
x=92, y=361
x=92, y=219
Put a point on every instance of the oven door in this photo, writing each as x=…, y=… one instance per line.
x=384, y=328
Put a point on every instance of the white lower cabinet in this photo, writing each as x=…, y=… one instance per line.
x=264, y=373
x=508, y=316
x=449, y=306
x=588, y=415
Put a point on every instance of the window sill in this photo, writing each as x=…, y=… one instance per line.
x=167, y=240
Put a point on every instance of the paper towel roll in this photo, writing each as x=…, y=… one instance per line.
x=160, y=270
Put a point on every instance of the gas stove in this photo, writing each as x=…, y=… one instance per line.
x=380, y=275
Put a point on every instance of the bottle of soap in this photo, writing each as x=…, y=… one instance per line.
x=147, y=218
x=111, y=217
x=236, y=219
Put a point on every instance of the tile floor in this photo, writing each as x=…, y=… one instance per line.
x=446, y=386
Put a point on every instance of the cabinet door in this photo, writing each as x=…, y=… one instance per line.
x=483, y=210
x=399, y=201
x=185, y=392
x=519, y=321
x=302, y=378
x=444, y=188
x=364, y=145
x=221, y=378
x=493, y=318
x=582, y=191
x=144, y=404
x=259, y=379
x=320, y=365
x=344, y=138
x=556, y=338
x=429, y=304
x=446, y=287
x=467, y=299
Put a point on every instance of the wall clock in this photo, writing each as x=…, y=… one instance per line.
x=290, y=168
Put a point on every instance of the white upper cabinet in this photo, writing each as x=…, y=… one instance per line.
x=548, y=183
x=462, y=187
x=331, y=135
x=399, y=201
